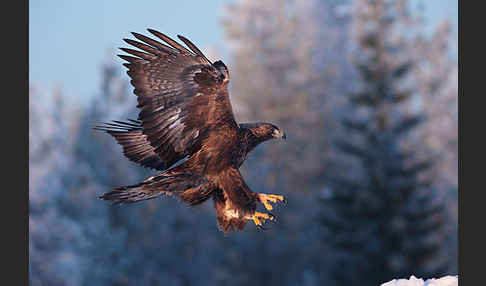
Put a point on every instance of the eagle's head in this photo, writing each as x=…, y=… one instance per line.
x=265, y=131
x=223, y=69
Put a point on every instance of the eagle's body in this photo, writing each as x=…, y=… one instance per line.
x=186, y=114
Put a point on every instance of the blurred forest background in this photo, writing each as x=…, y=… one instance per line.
x=369, y=103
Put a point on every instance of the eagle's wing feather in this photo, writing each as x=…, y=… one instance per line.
x=135, y=144
x=181, y=95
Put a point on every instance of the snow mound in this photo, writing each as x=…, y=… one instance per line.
x=414, y=281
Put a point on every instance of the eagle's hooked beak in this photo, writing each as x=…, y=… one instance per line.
x=279, y=134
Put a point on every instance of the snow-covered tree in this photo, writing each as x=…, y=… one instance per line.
x=69, y=231
x=436, y=72
x=386, y=220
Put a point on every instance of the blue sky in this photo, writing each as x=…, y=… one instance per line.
x=69, y=40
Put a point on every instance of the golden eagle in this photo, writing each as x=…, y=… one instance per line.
x=186, y=116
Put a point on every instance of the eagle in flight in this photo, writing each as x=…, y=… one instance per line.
x=186, y=116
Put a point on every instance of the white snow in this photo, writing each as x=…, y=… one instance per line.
x=414, y=281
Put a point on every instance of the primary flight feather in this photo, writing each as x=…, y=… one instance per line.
x=185, y=113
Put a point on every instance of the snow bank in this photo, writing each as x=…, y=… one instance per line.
x=414, y=281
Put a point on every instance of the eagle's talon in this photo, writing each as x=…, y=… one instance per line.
x=266, y=199
x=261, y=218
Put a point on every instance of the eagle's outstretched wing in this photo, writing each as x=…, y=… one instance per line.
x=181, y=94
x=135, y=144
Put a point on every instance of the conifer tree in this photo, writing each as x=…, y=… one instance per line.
x=383, y=220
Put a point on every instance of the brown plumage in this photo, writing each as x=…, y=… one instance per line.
x=187, y=130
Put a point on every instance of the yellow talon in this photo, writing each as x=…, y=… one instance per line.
x=265, y=198
x=263, y=215
x=257, y=221
x=278, y=197
x=268, y=206
x=259, y=218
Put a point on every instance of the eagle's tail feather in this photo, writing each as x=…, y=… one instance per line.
x=130, y=194
x=191, y=190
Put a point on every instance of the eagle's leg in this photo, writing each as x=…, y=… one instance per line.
x=259, y=218
x=266, y=198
